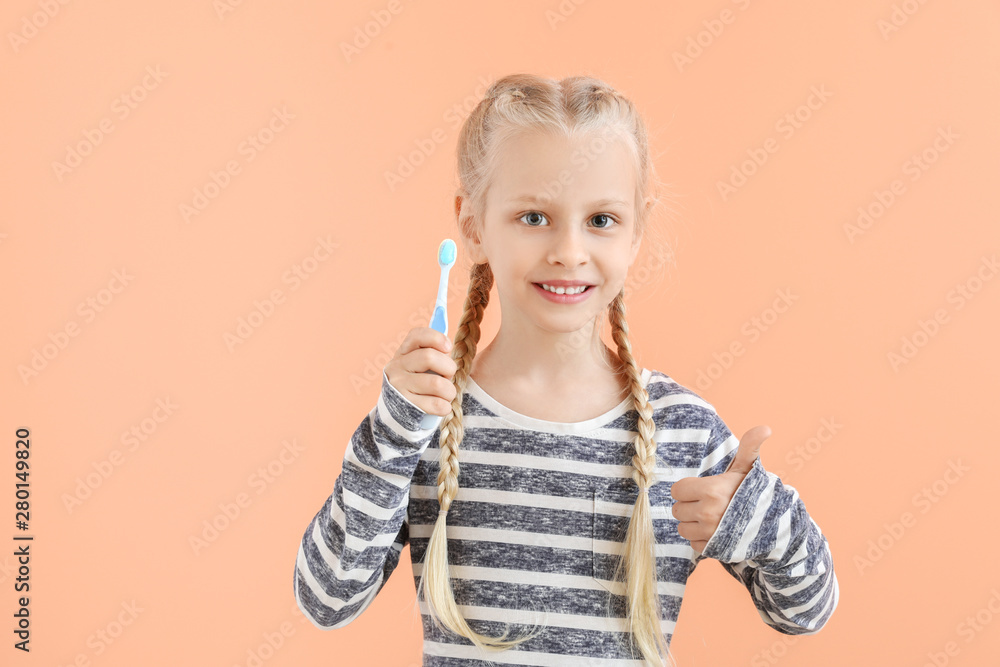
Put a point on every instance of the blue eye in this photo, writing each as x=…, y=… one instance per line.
x=605, y=215
x=531, y=213
x=610, y=219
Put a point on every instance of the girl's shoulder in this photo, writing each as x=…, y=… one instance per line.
x=663, y=384
x=674, y=401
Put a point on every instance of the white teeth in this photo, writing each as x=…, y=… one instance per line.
x=563, y=290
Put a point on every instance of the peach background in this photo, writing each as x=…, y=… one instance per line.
x=310, y=372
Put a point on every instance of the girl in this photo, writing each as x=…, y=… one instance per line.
x=566, y=489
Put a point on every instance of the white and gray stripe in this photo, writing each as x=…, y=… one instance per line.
x=538, y=525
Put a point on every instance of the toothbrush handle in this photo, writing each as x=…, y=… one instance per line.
x=430, y=421
x=439, y=322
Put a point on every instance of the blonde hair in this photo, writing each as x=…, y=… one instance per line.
x=516, y=103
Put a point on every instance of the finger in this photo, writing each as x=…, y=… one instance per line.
x=442, y=342
x=683, y=511
x=749, y=449
x=432, y=394
x=433, y=385
x=688, y=489
x=430, y=359
x=419, y=354
x=424, y=337
x=694, y=530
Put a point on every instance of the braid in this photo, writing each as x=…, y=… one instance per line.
x=435, y=581
x=639, y=555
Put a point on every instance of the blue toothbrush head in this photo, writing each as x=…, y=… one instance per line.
x=447, y=253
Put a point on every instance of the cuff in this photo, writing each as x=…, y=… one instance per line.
x=402, y=409
x=734, y=526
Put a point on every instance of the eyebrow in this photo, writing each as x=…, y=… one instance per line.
x=534, y=199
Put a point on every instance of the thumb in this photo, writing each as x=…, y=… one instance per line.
x=748, y=449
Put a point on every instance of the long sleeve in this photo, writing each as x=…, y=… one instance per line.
x=353, y=543
x=768, y=541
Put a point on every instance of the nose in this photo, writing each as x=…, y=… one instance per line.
x=569, y=247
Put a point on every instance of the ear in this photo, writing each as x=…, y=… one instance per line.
x=470, y=239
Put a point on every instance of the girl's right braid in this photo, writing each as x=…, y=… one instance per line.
x=463, y=352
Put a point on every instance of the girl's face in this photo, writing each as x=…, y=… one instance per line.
x=559, y=210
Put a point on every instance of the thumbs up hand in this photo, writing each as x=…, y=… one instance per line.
x=700, y=502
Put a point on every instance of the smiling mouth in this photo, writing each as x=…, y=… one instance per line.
x=576, y=289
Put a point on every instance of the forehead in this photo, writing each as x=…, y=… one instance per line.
x=551, y=165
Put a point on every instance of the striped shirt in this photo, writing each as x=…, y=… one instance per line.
x=538, y=524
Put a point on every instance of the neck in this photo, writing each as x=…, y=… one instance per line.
x=542, y=359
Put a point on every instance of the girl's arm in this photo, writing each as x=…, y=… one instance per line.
x=353, y=543
x=768, y=541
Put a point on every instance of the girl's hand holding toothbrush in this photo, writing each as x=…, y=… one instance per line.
x=424, y=349
x=433, y=408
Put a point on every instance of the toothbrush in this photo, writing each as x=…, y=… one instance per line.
x=447, y=253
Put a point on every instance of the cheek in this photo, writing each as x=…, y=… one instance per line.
x=617, y=276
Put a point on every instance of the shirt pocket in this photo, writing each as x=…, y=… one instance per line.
x=611, y=517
